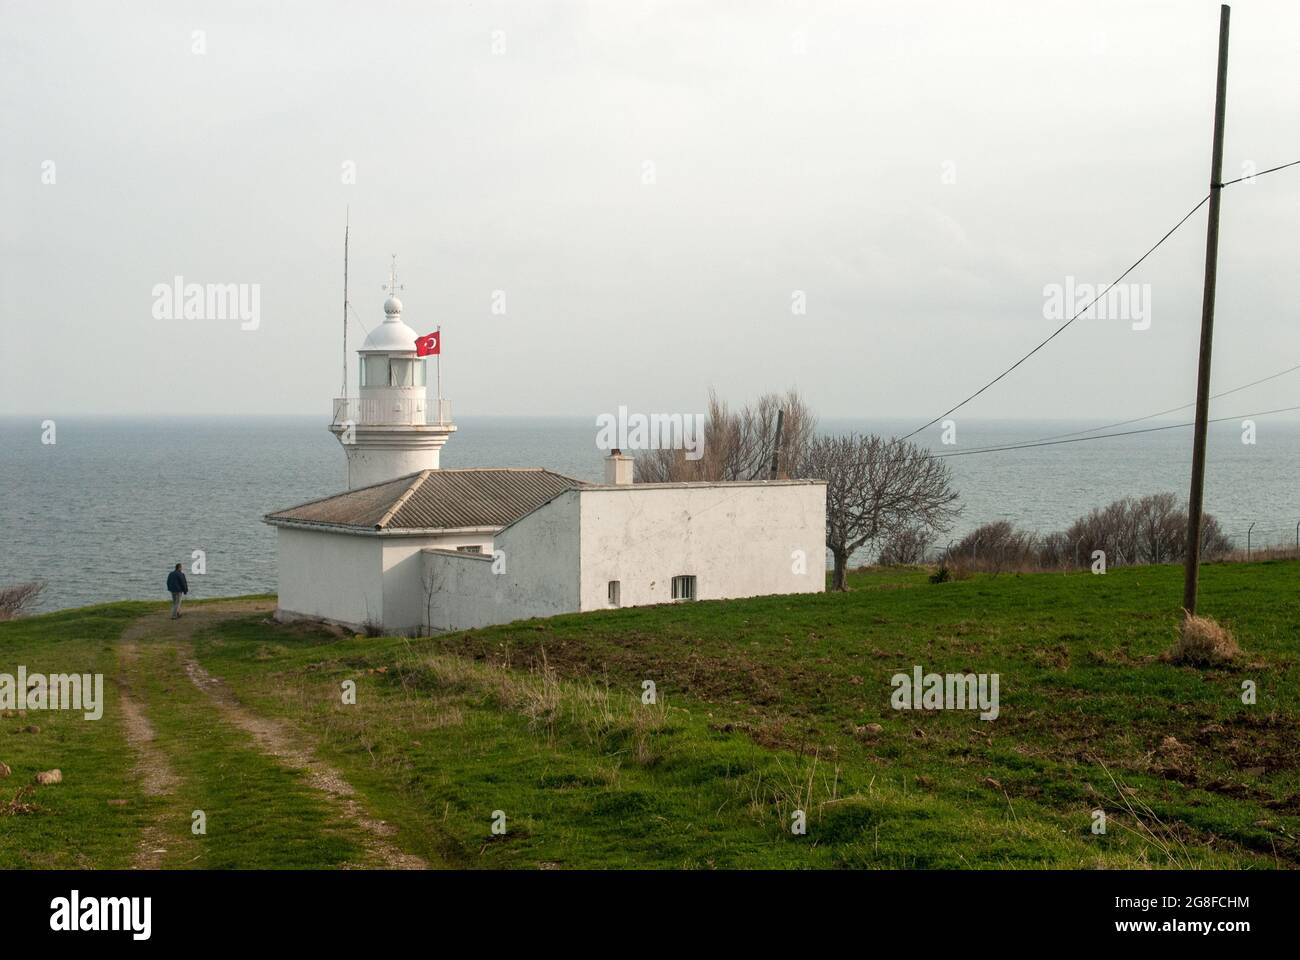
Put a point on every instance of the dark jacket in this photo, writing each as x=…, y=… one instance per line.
x=176, y=582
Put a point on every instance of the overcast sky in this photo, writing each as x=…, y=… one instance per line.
x=651, y=185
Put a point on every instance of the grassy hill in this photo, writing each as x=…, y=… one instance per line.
x=764, y=707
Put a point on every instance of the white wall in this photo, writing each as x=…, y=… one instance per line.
x=371, y=461
x=738, y=540
x=538, y=573
x=332, y=576
x=405, y=592
x=353, y=579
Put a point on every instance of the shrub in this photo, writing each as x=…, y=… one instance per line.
x=904, y=547
x=994, y=547
x=1138, y=530
x=19, y=598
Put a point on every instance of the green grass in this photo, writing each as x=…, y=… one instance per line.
x=74, y=824
x=258, y=814
x=765, y=701
x=763, y=710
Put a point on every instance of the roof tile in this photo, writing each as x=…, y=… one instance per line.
x=435, y=499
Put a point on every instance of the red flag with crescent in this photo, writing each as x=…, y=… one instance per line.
x=429, y=345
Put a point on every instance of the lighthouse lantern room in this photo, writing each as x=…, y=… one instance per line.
x=392, y=427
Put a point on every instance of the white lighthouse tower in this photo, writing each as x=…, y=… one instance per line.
x=392, y=427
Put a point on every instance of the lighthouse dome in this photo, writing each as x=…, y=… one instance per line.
x=391, y=336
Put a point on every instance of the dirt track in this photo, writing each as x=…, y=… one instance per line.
x=274, y=738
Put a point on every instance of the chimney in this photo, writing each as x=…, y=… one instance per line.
x=618, y=468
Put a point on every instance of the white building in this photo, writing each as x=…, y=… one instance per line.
x=595, y=547
x=411, y=549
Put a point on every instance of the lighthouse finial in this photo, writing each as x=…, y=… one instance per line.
x=393, y=285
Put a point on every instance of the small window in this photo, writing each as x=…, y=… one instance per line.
x=401, y=372
x=471, y=549
x=374, y=370
x=612, y=592
x=684, y=588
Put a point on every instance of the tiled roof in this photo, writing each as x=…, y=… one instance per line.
x=435, y=499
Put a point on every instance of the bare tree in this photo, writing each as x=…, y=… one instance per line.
x=738, y=444
x=875, y=488
x=18, y=598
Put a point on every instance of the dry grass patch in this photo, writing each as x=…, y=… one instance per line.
x=19, y=804
x=1202, y=642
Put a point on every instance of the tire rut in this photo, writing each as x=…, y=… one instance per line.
x=273, y=737
x=276, y=739
x=152, y=768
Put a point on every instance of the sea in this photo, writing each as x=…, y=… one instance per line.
x=105, y=511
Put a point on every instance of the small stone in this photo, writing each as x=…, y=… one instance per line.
x=118, y=803
x=47, y=777
x=31, y=728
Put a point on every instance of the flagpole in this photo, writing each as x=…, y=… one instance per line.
x=346, y=225
x=438, y=367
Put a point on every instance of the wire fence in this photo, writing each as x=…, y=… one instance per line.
x=1246, y=540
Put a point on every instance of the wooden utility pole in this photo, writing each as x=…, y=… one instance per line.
x=1196, y=497
x=776, y=446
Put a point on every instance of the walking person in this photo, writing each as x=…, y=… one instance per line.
x=177, y=586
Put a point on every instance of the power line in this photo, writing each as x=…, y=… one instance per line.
x=1062, y=327
x=1070, y=438
x=1152, y=416
x=1102, y=436
x=1102, y=293
x=1280, y=166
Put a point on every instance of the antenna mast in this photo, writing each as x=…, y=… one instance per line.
x=346, y=225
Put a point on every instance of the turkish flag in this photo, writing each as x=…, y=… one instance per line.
x=429, y=344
